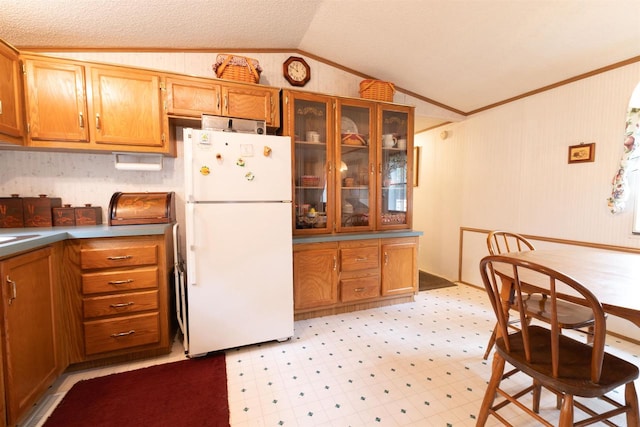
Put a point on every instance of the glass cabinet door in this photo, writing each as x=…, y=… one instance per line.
x=310, y=128
x=355, y=177
x=395, y=167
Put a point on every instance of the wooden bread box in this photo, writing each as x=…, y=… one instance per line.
x=142, y=208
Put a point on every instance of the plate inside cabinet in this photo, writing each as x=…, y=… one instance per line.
x=348, y=125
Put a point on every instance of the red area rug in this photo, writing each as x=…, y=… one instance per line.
x=191, y=392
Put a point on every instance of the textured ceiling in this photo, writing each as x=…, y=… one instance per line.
x=464, y=54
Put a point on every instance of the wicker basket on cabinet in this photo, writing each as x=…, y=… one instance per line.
x=377, y=90
x=238, y=68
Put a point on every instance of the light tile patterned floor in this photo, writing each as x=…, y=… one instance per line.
x=413, y=364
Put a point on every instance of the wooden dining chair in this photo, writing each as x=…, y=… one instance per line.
x=561, y=364
x=571, y=316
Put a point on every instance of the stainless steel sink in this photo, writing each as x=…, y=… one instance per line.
x=11, y=239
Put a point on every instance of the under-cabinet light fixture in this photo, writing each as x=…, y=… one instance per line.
x=138, y=161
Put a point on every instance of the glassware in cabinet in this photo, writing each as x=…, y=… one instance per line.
x=355, y=178
x=309, y=121
x=395, y=124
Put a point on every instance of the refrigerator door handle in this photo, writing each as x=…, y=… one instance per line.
x=191, y=259
x=188, y=161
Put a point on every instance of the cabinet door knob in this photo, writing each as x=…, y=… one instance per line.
x=81, y=120
x=98, y=121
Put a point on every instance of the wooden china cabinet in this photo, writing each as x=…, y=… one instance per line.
x=352, y=167
x=345, y=178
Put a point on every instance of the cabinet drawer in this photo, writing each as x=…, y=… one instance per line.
x=360, y=288
x=353, y=259
x=120, y=304
x=120, y=333
x=116, y=281
x=118, y=257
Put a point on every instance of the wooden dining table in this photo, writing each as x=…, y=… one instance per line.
x=612, y=276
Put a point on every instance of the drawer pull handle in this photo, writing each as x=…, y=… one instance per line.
x=360, y=259
x=120, y=282
x=122, y=304
x=123, y=334
x=119, y=258
x=358, y=290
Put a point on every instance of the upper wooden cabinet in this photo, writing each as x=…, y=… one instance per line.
x=11, y=110
x=394, y=142
x=260, y=103
x=77, y=105
x=126, y=108
x=191, y=97
x=309, y=120
x=56, y=101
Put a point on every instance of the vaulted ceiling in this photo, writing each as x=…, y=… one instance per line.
x=464, y=55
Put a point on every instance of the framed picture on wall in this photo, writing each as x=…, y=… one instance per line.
x=582, y=153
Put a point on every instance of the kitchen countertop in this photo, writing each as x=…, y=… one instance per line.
x=34, y=237
x=320, y=238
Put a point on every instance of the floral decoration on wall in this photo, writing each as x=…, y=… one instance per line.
x=620, y=184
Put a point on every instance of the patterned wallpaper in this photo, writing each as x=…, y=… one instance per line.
x=83, y=178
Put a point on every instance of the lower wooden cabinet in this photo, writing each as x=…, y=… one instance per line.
x=83, y=302
x=29, y=331
x=349, y=275
x=399, y=268
x=120, y=291
x=359, y=288
x=315, y=275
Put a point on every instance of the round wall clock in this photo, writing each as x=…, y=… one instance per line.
x=296, y=71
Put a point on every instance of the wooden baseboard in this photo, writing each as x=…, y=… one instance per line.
x=353, y=307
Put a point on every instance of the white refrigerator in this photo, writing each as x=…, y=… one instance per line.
x=239, y=273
